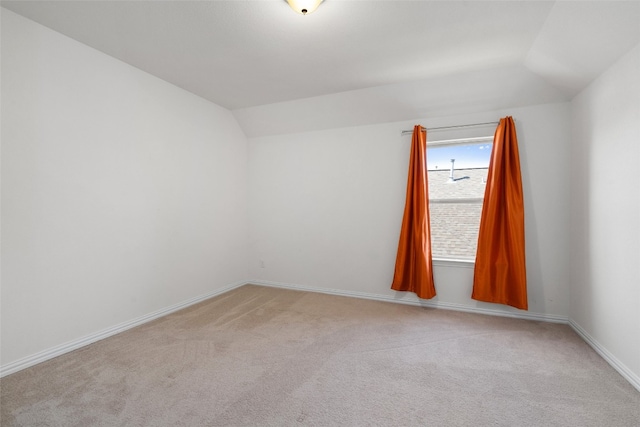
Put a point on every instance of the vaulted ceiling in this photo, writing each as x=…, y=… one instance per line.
x=355, y=62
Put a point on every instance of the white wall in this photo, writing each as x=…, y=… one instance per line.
x=326, y=207
x=605, y=212
x=121, y=194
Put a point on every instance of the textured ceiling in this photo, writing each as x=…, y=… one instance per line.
x=348, y=62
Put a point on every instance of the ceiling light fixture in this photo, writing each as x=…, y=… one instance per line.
x=304, y=7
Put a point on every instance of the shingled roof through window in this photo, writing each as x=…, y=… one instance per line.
x=455, y=224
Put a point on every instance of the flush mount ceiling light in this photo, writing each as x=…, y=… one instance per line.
x=304, y=7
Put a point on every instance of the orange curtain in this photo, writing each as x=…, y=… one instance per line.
x=500, y=270
x=414, y=270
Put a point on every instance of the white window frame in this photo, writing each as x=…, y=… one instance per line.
x=449, y=261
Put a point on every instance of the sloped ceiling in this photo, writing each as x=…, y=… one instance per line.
x=355, y=62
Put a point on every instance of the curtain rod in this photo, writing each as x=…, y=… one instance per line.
x=404, y=132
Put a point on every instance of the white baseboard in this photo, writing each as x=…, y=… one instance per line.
x=408, y=299
x=606, y=355
x=412, y=299
x=58, y=350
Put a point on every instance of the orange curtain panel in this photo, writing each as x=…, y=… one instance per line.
x=414, y=270
x=500, y=270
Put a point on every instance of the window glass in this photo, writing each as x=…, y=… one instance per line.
x=457, y=175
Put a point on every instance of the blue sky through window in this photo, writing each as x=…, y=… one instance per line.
x=467, y=156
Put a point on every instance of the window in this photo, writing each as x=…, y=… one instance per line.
x=457, y=173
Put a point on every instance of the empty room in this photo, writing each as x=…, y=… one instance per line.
x=321, y=213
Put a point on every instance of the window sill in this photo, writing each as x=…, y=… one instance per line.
x=452, y=262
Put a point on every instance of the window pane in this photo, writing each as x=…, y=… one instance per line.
x=467, y=156
x=454, y=229
x=456, y=197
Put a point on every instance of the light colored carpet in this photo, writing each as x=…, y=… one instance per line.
x=260, y=356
